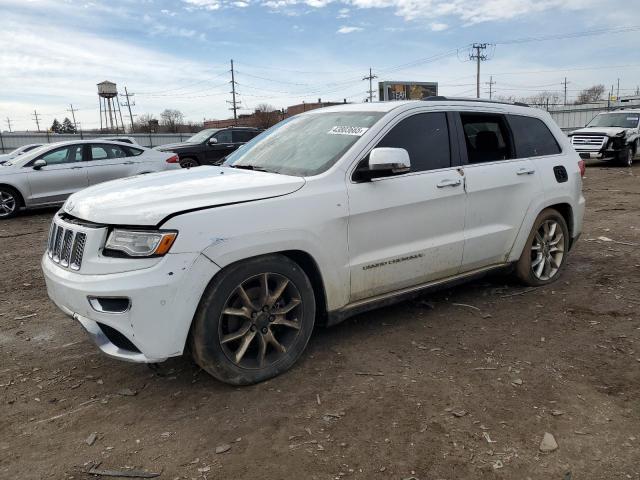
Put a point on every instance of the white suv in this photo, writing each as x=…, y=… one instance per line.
x=325, y=215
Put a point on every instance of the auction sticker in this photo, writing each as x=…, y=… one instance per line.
x=343, y=130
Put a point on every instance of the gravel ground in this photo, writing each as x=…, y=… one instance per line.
x=462, y=384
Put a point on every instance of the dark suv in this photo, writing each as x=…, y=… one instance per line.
x=210, y=146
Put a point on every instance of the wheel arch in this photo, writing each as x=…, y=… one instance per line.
x=17, y=190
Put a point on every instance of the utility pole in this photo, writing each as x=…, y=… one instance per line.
x=565, y=90
x=234, y=106
x=491, y=84
x=128, y=96
x=36, y=117
x=9, y=124
x=478, y=57
x=618, y=91
x=73, y=116
x=370, y=78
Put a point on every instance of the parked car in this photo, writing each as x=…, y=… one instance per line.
x=327, y=214
x=48, y=175
x=211, y=146
x=129, y=140
x=18, y=151
x=610, y=136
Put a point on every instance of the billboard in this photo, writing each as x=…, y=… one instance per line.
x=406, y=90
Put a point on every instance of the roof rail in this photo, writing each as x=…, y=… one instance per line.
x=479, y=100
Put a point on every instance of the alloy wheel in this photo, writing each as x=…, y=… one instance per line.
x=7, y=204
x=260, y=320
x=188, y=163
x=629, y=157
x=547, y=250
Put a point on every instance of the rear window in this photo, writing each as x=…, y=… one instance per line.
x=133, y=152
x=532, y=137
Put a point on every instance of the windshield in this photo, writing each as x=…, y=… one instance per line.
x=202, y=136
x=622, y=120
x=304, y=145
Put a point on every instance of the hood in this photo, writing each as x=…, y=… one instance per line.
x=146, y=200
x=170, y=147
x=608, y=131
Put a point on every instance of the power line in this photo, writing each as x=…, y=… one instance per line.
x=370, y=78
x=479, y=58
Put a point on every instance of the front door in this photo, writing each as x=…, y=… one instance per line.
x=408, y=229
x=63, y=175
x=216, y=152
x=500, y=189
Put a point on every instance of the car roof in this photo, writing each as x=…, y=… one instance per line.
x=621, y=110
x=93, y=140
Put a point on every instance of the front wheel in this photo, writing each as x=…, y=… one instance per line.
x=626, y=158
x=9, y=203
x=254, y=320
x=544, y=254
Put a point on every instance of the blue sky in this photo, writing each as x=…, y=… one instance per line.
x=175, y=54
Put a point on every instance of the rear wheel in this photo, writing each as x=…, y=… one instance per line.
x=544, y=254
x=189, y=162
x=9, y=203
x=254, y=320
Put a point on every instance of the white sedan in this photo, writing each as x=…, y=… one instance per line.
x=18, y=151
x=47, y=175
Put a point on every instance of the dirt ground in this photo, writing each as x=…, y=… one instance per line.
x=461, y=384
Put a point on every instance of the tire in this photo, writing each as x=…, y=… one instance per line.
x=260, y=336
x=10, y=202
x=534, y=268
x=626, y=157
x=189, y=162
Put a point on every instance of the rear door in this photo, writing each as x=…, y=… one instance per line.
x=408, y=229
x=107, y=162
x=63, y=175
x=500, y=188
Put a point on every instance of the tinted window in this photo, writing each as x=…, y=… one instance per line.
x=242, y=136
x=532, y=137
x=426, y=137
x=30, y=147
x=224, y=136
x=102, y=152
x=133, y=152
x=486, y=137
x=63, y=155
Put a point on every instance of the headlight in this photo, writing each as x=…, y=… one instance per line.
x=140, y=243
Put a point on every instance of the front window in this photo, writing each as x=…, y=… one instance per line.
x=621, y=120
x=305, y=145
x=202, y=136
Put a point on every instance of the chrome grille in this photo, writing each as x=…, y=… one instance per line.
x=589, y=140
x=66, y=247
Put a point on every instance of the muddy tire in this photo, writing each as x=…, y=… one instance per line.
x=626, y=157
x=254, y=320
x=544, y=255
x=189, y=162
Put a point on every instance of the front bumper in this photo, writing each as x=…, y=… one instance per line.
x=163, y=300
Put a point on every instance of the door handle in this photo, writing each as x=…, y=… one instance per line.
x=128, y=163
x=449, y=183
x=76, y=168
x=526, y=171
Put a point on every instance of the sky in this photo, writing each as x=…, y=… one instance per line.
x=176, y=54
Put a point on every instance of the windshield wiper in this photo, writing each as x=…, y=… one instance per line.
x=251, y=167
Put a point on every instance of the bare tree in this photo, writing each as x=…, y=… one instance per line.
x=591, y=94
x=144, y=123
x=171, y=119
x=544, y=98
x=266, y=116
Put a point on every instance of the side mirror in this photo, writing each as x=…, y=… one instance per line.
x=389, y=161
x=213, y=141
x=38, y=164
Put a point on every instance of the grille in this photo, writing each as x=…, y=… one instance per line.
x=66, y=246
x=589, y=140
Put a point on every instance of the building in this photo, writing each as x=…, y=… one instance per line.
x=393, y=90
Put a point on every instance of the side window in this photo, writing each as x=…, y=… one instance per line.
x=133, y=152
x=116, y=151
x=98, y=152
x=426, y=137
x=487, y=137
x=242, y=136
x=63, y=155
x=224, y=136
x=104, y=151
x=532, y=138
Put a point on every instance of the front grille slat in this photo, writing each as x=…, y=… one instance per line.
x=589, y=140
x=65, y=246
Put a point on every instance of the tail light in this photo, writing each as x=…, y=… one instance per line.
x=582, y=167
x=173, y=159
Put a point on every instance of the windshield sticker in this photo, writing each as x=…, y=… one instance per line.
x=343, y=130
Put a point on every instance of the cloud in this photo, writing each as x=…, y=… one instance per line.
x=438, y=27
x=205, y=4
x=347, y=29
x=343, y=13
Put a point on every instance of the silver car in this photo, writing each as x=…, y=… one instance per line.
x=18, y=151
x=48, y=175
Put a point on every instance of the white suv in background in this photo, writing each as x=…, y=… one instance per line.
x=325, y=215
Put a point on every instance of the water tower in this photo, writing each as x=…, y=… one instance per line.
x=109, y=107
